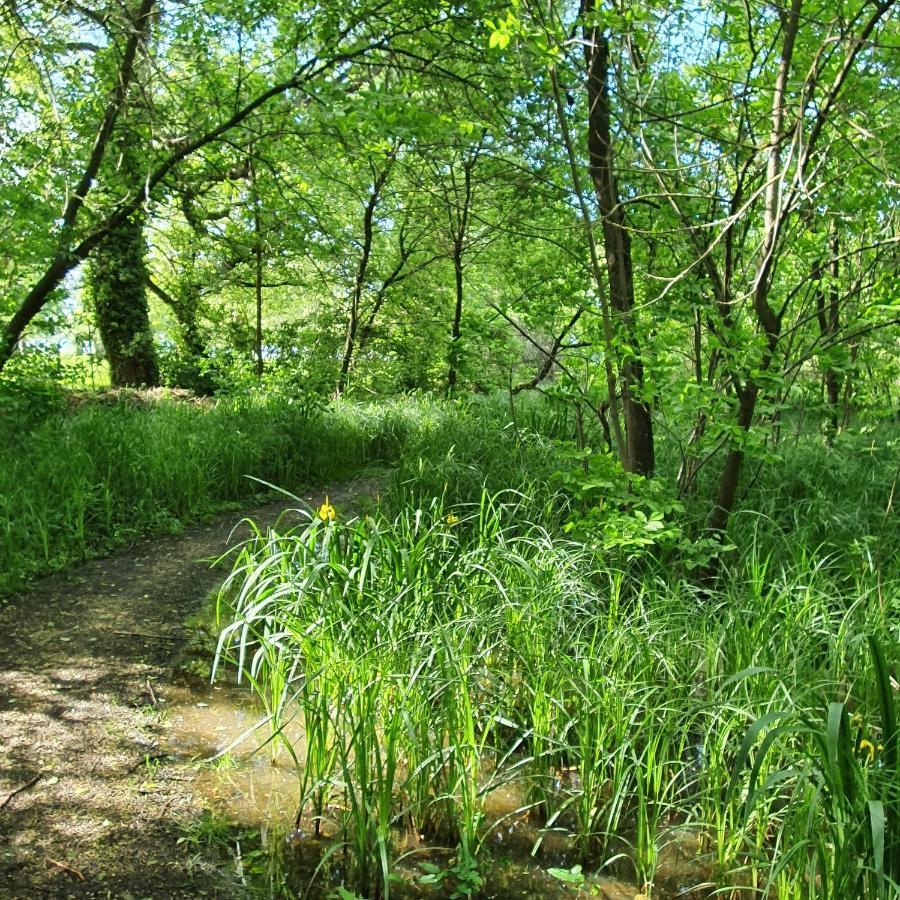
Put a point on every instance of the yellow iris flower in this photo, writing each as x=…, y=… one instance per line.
x=451, y=519
x=326, y=512
x=870, y=749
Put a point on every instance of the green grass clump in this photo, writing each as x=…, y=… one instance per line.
x=435, y=655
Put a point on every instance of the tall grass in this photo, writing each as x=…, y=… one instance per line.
x=458, y=642
x=75, y=482
x=440, y=652
x=82, y=481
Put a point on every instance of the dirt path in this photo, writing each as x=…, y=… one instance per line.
x=86, y=660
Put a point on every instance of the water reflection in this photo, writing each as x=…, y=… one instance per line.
x=255, y=785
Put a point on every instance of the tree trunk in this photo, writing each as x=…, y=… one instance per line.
x=455, y=325
x=690, y=462
x=734, y=461
x=258, y=273
x=774, y=217
x=379, y=181
x=848, y=388
x=829, y=316
x=117, y=279
x=459, y=242
x=617, y=245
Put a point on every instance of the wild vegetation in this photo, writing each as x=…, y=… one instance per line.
x=605, y=293
x=455, y=642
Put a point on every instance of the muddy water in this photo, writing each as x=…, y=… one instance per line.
x=218, y=731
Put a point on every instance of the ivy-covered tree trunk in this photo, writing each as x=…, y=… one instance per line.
x=117, y=282
x=183, y=307
x=117, y=272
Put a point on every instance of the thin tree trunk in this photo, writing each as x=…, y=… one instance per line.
x=690, y=462
x=456, y=324
x=769, y=321
x=459, y=239
x=380, y=178
x=848, y=388
x=734, y=461
x=829, y=316
x=602, y=296
x=617, y=244
x=258, y=285
x=258, y=271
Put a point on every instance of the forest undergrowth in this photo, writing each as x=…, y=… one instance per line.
x=516, y=614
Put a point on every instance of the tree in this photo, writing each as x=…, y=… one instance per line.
x=723, y=146
x=322, y=50
x=117, y=276
x=617, y=244
x=117, y=281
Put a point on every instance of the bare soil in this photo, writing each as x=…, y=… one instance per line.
x=91, y=805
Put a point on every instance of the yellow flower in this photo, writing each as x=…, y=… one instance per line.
x=869, y=747
x=451, y=519
x=327, y=513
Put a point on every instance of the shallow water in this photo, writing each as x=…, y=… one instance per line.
x=218, y=730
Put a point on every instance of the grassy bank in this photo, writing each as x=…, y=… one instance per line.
x=81, y=481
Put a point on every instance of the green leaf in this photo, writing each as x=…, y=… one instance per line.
x=569, y=876
x=876, y=821
x=499, y=39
